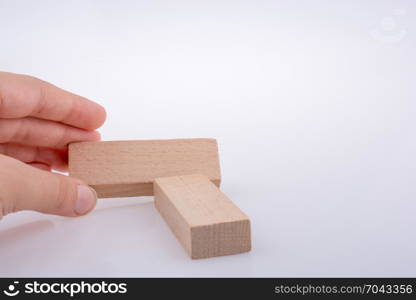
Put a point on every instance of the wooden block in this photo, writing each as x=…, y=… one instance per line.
x=201, y=217
x=128, y=168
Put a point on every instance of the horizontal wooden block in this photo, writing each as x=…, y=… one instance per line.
x=128, y=168
x=201, y=217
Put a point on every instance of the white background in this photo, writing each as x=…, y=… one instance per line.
x=312, y=102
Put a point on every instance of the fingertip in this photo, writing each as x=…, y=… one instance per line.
x=81, y=135
x=98, y=115
x=86, y=200
x=97, y=136
x=102, y=116
x=83, y=112
x=91, y=136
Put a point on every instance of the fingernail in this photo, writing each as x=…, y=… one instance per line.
x=87, y=198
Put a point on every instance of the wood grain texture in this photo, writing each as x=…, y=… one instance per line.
x=128, y=168
x=202, y=218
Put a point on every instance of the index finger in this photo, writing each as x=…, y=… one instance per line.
x=23, y=96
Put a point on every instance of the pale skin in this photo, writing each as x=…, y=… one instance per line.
x=37, y=122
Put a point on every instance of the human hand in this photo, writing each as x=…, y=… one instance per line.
x=37, y=122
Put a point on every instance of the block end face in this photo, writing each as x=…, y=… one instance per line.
x=221, y=239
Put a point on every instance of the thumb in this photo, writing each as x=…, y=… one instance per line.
x=27, y=188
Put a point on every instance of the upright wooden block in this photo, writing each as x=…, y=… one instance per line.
x=128, y=168
x=201, y=217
